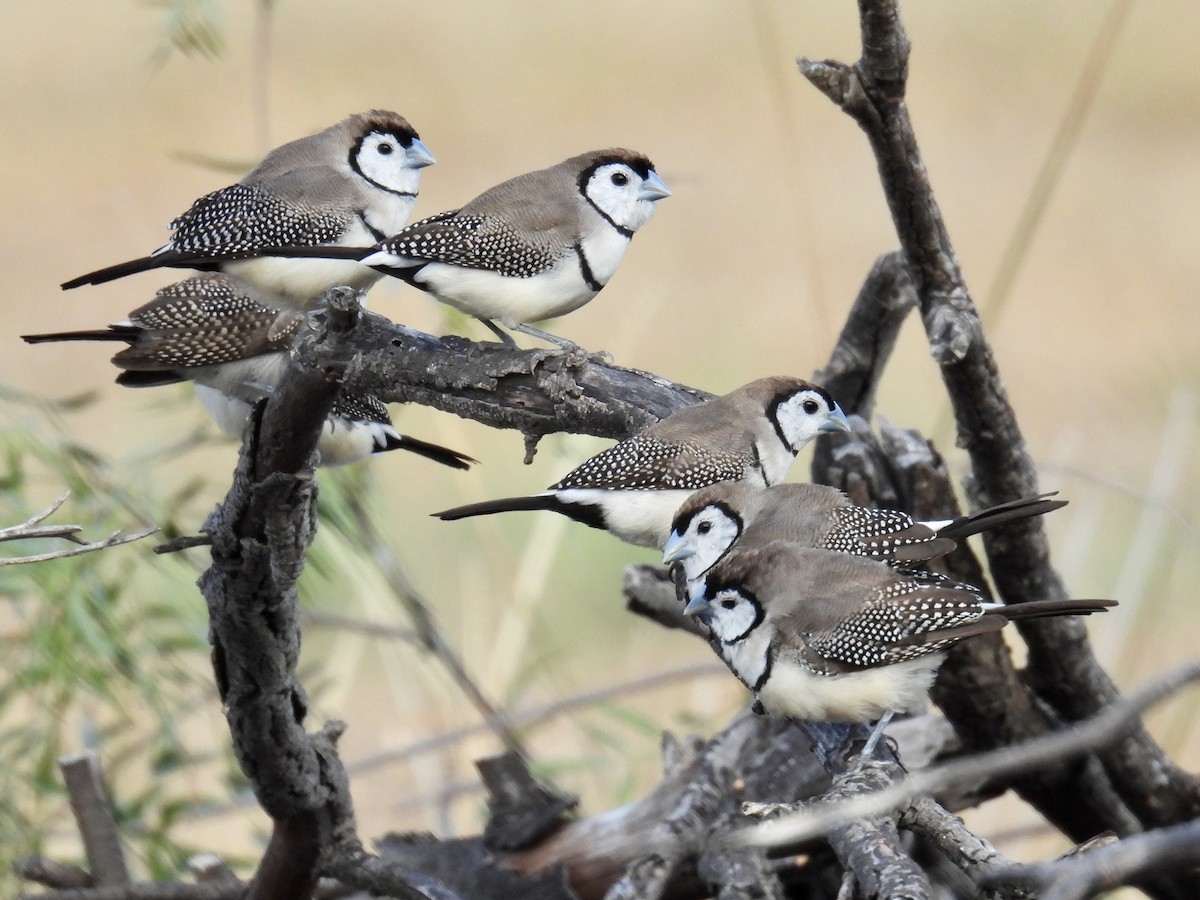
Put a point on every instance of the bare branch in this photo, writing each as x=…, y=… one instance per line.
x=260, y=535
x=350, y=864
x=521, y=809
x=863, y=348
x=1112, y=865
x=95, y=819
x=113, y=540
x=869, y=846
x=1079, y=738
x=22, y=530
x=52, y=874
x=971, y=855
x=320, y=619
x=1062, y=667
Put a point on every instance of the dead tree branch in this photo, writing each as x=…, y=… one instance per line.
x=536, y=392
x=1110, y=866
x=260, y=535
x=95, y=819
x=1080, y=738
x=1063, y=669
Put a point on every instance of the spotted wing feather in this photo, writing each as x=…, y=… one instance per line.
x=883, y=534
x=204, y=321
x=476, y=242
x=645, y=463
x=243, y=219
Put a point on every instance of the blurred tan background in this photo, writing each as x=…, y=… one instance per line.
x=746, y=270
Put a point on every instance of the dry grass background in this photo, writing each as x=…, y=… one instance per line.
x=746, y=270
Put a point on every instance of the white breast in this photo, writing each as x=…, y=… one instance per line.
x=864, y=696
x=604, y=248
x=388, y=215
x=489, y=295
x=636, y=517
x=774, y=456
x=297, y=283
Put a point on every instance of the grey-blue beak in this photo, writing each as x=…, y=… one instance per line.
x=418, y=155
x=697, y=605
x=653, y=188
x=676, y=548
x=837, y=421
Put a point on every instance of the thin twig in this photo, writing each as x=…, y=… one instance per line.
x=1080, y=738
x=538, y=714
x=320, y=619
x=184, y=542
x=113, y=540
x=427, y=632
x=19, y=531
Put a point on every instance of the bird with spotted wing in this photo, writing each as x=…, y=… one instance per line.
x=632, y=489
x=730, y=515
x=818, y=634
x=535, y=247
x=350, y=185
x=206, y=330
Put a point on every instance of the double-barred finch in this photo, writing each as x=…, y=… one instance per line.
x=532, y=248
x=818, y=634
x=350, y=185
x=234, y=349
x=717, y=519
x=632, y=489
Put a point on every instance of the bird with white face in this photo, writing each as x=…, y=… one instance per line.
x=717, y=519
x=632, y=489
x=532, y=248
x=350, y=185
x=819, y=634
x=234, y=349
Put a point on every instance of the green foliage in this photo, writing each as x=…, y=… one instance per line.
x=104, y=650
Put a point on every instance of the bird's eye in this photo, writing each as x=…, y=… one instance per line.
x=728, y=604
x=704, y=527
x=810, y=406
x=385, y=149
x=620, y=179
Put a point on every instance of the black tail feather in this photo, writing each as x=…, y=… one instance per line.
x=488, y=507
x=168, y=260
x=209, y=262
x=96, y=334
x=1037, y=608
x=584, y=513
x=152, y=378
x=1001, y=514
x=435, y=452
